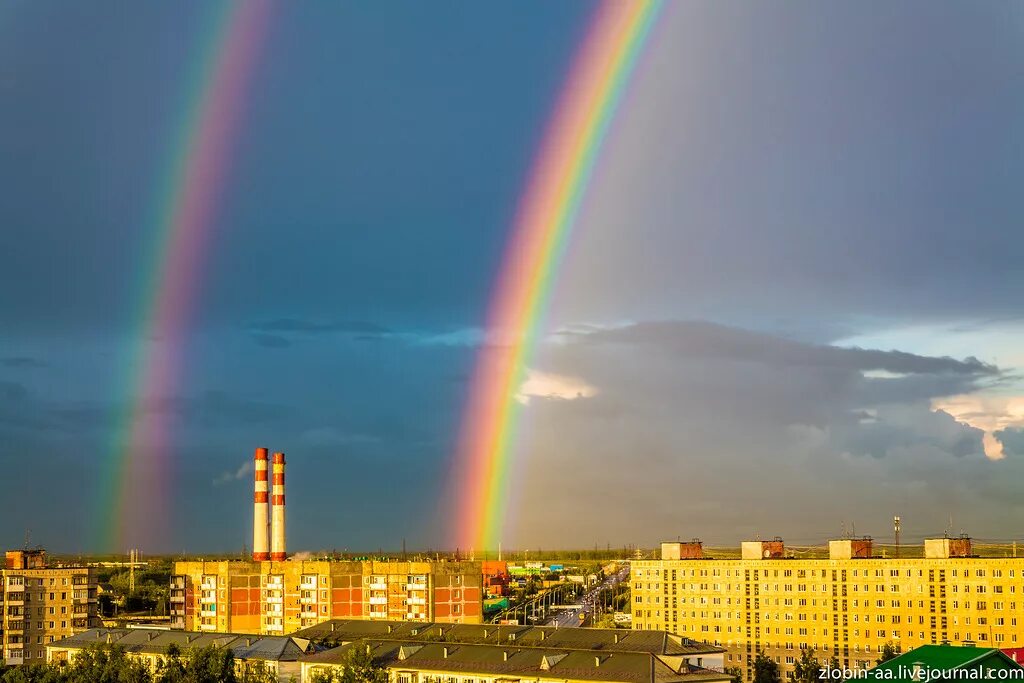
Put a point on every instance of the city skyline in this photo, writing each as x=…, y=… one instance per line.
x=789, y=300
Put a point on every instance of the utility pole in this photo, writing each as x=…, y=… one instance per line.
x=132, y=554
x=896, y=530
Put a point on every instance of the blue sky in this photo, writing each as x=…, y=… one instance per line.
x=784, y=188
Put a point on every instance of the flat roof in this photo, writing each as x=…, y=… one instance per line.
x=523, y=662
x=339, y=631
x=156, y=641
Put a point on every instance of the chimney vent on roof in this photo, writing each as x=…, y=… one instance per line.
x=444, y=653
x=616, y=638
x=511, y=637
x=543, y=634
x=597, y=660
x=504, y=655
x=389, y=628
x=332, y=627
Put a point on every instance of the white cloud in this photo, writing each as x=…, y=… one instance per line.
x=549, y=385
x=988, y=413
x=226, y=477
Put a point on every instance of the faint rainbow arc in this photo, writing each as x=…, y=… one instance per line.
x=134, y=479
x=547, y=212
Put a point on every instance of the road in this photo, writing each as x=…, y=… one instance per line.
x=585, y=604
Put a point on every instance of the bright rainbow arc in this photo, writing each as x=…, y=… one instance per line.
x=137, y=505
x=545, y=218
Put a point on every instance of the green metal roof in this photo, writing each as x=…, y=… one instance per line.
x=943, y=657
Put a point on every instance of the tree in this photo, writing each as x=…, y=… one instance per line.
x=257, y=672
x=735, y=672
x=102, y=663
x=889, y=651
x=357, y=667
x=766, y=670
x=201, y=665
x=807, y=669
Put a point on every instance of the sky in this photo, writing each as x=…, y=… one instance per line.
x=790, y=305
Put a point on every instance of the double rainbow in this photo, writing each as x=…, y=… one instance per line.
x=135, y=480
x=547, y=211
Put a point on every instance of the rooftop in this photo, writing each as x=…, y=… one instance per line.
x=156, y=641
x=945, y=657
x=339, y=631
x=525, y=662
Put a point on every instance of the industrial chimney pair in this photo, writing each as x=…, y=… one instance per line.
x=268, y=527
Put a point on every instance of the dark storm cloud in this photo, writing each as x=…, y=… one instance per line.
x=704, y=339
x=1012, y=439
x=739, y=426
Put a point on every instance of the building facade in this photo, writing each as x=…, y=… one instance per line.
x=282, y=597
x=847, y=606
x=41, y=604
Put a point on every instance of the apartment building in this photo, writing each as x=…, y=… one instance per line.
x=847, y=606
x=281, y=597
x=40, y=603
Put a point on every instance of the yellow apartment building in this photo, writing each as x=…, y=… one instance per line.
x=41, y=603
x=272, y=597
x=847, y=606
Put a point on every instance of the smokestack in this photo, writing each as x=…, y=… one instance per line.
x=278, y=550
x=260, y=513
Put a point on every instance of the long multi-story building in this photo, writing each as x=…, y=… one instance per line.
x=847, y=606
x=435, y=653
x=281, y=597
x=40, y=603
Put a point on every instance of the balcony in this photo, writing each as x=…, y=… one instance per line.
x=378, y=601
x=177, y=583
x=378, y=586
x=80, y=623
x=416, y=601
x=177, y=611
x=16, y=598
x=15, y=626
x=308, y=601
x=177, y=596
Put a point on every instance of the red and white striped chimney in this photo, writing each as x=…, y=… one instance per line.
x=260, y=513
x=278, y=550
